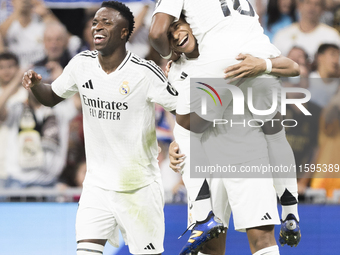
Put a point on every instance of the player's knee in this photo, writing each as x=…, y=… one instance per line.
x=272, y=250
x=88, y=248
x=215, y=246
x=261, y=237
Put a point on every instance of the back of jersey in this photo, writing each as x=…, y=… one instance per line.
x=204, y=15
x=223, y=28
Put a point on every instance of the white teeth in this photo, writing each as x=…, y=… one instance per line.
x=99, y=36
x=180, y=43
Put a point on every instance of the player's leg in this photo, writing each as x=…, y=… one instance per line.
x=222, y=210
x=254, y=205
x=215, y=246
x=264, y=91
x=262, y=240
x=200, y=215
x=281, y=154
x=95, y=223
x=140, y=218
x=90, y=247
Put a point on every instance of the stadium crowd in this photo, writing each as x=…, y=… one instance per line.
x=45, y=148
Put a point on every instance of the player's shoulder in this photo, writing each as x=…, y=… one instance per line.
x=87, y=54
x=83, y=58
x=146, y=68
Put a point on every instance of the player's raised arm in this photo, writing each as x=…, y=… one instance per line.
x=43, y=92
x=252, y=66
x=158, y=34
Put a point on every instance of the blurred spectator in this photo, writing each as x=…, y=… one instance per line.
x=308, y=33
x=2, y=46
x=324, y=81
x=329, y=141
x=57, y=55
x=139, y=41
x=303, y=138
x=76, y=147
x=87, y=39
x=33, y=140
x=23, y=30
x=11, y=92
x=6, y=9
x=280, y=14
x=336, y=18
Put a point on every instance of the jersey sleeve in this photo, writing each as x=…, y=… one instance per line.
x=160, y=90
x=65, y=85
x=170, y=7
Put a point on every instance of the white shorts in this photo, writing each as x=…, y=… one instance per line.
x=138, y=214
x=252, y=201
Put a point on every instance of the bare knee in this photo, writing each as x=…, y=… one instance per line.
x=261, y=237
x=215, y=246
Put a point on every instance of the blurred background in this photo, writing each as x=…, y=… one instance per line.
x=42, y=156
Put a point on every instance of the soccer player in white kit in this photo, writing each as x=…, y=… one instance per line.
x=218, y=27
x=122, y=188
x=236, y=139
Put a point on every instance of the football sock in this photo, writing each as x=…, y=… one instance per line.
x=272, y=250
x=202, y=203
x=281, y=156
x=86, y=248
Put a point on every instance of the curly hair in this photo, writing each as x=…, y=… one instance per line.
x=124, y=11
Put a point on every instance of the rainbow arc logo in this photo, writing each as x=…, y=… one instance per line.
x=209, y=93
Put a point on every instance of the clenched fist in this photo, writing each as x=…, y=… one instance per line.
x=30, y=79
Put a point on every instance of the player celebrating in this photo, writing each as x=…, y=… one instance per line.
x=233, y=137
x=122, y=187
x=234, y=28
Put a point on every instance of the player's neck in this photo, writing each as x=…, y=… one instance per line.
x=194, y=54
x=110, y=62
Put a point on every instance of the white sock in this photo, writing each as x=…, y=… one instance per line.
x=86, y=248
x=201, y=209
x=200, y=253
x=272, y=250
x=281, y=155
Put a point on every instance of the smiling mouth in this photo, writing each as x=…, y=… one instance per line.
x=183, y=41
x=98, y=38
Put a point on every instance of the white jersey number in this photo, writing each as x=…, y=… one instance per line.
x=242, y=6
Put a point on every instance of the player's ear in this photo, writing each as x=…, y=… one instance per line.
x=124, y=33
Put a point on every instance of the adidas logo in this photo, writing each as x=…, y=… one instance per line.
x=266, y=217
x=88, y=85
x=149, y=247
x=183, y=75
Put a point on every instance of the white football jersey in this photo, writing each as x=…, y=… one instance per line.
x=222, y=27
x=240, y=142
x=119, y=117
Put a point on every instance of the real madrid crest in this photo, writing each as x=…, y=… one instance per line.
x=124, y=89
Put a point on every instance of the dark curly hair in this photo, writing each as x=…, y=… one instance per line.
x=124, y=11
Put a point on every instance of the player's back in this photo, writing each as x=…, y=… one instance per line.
x=224, y=28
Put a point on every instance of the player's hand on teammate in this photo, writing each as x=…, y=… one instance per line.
x=176, y=159
x=30, y=79
x=250, y=66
